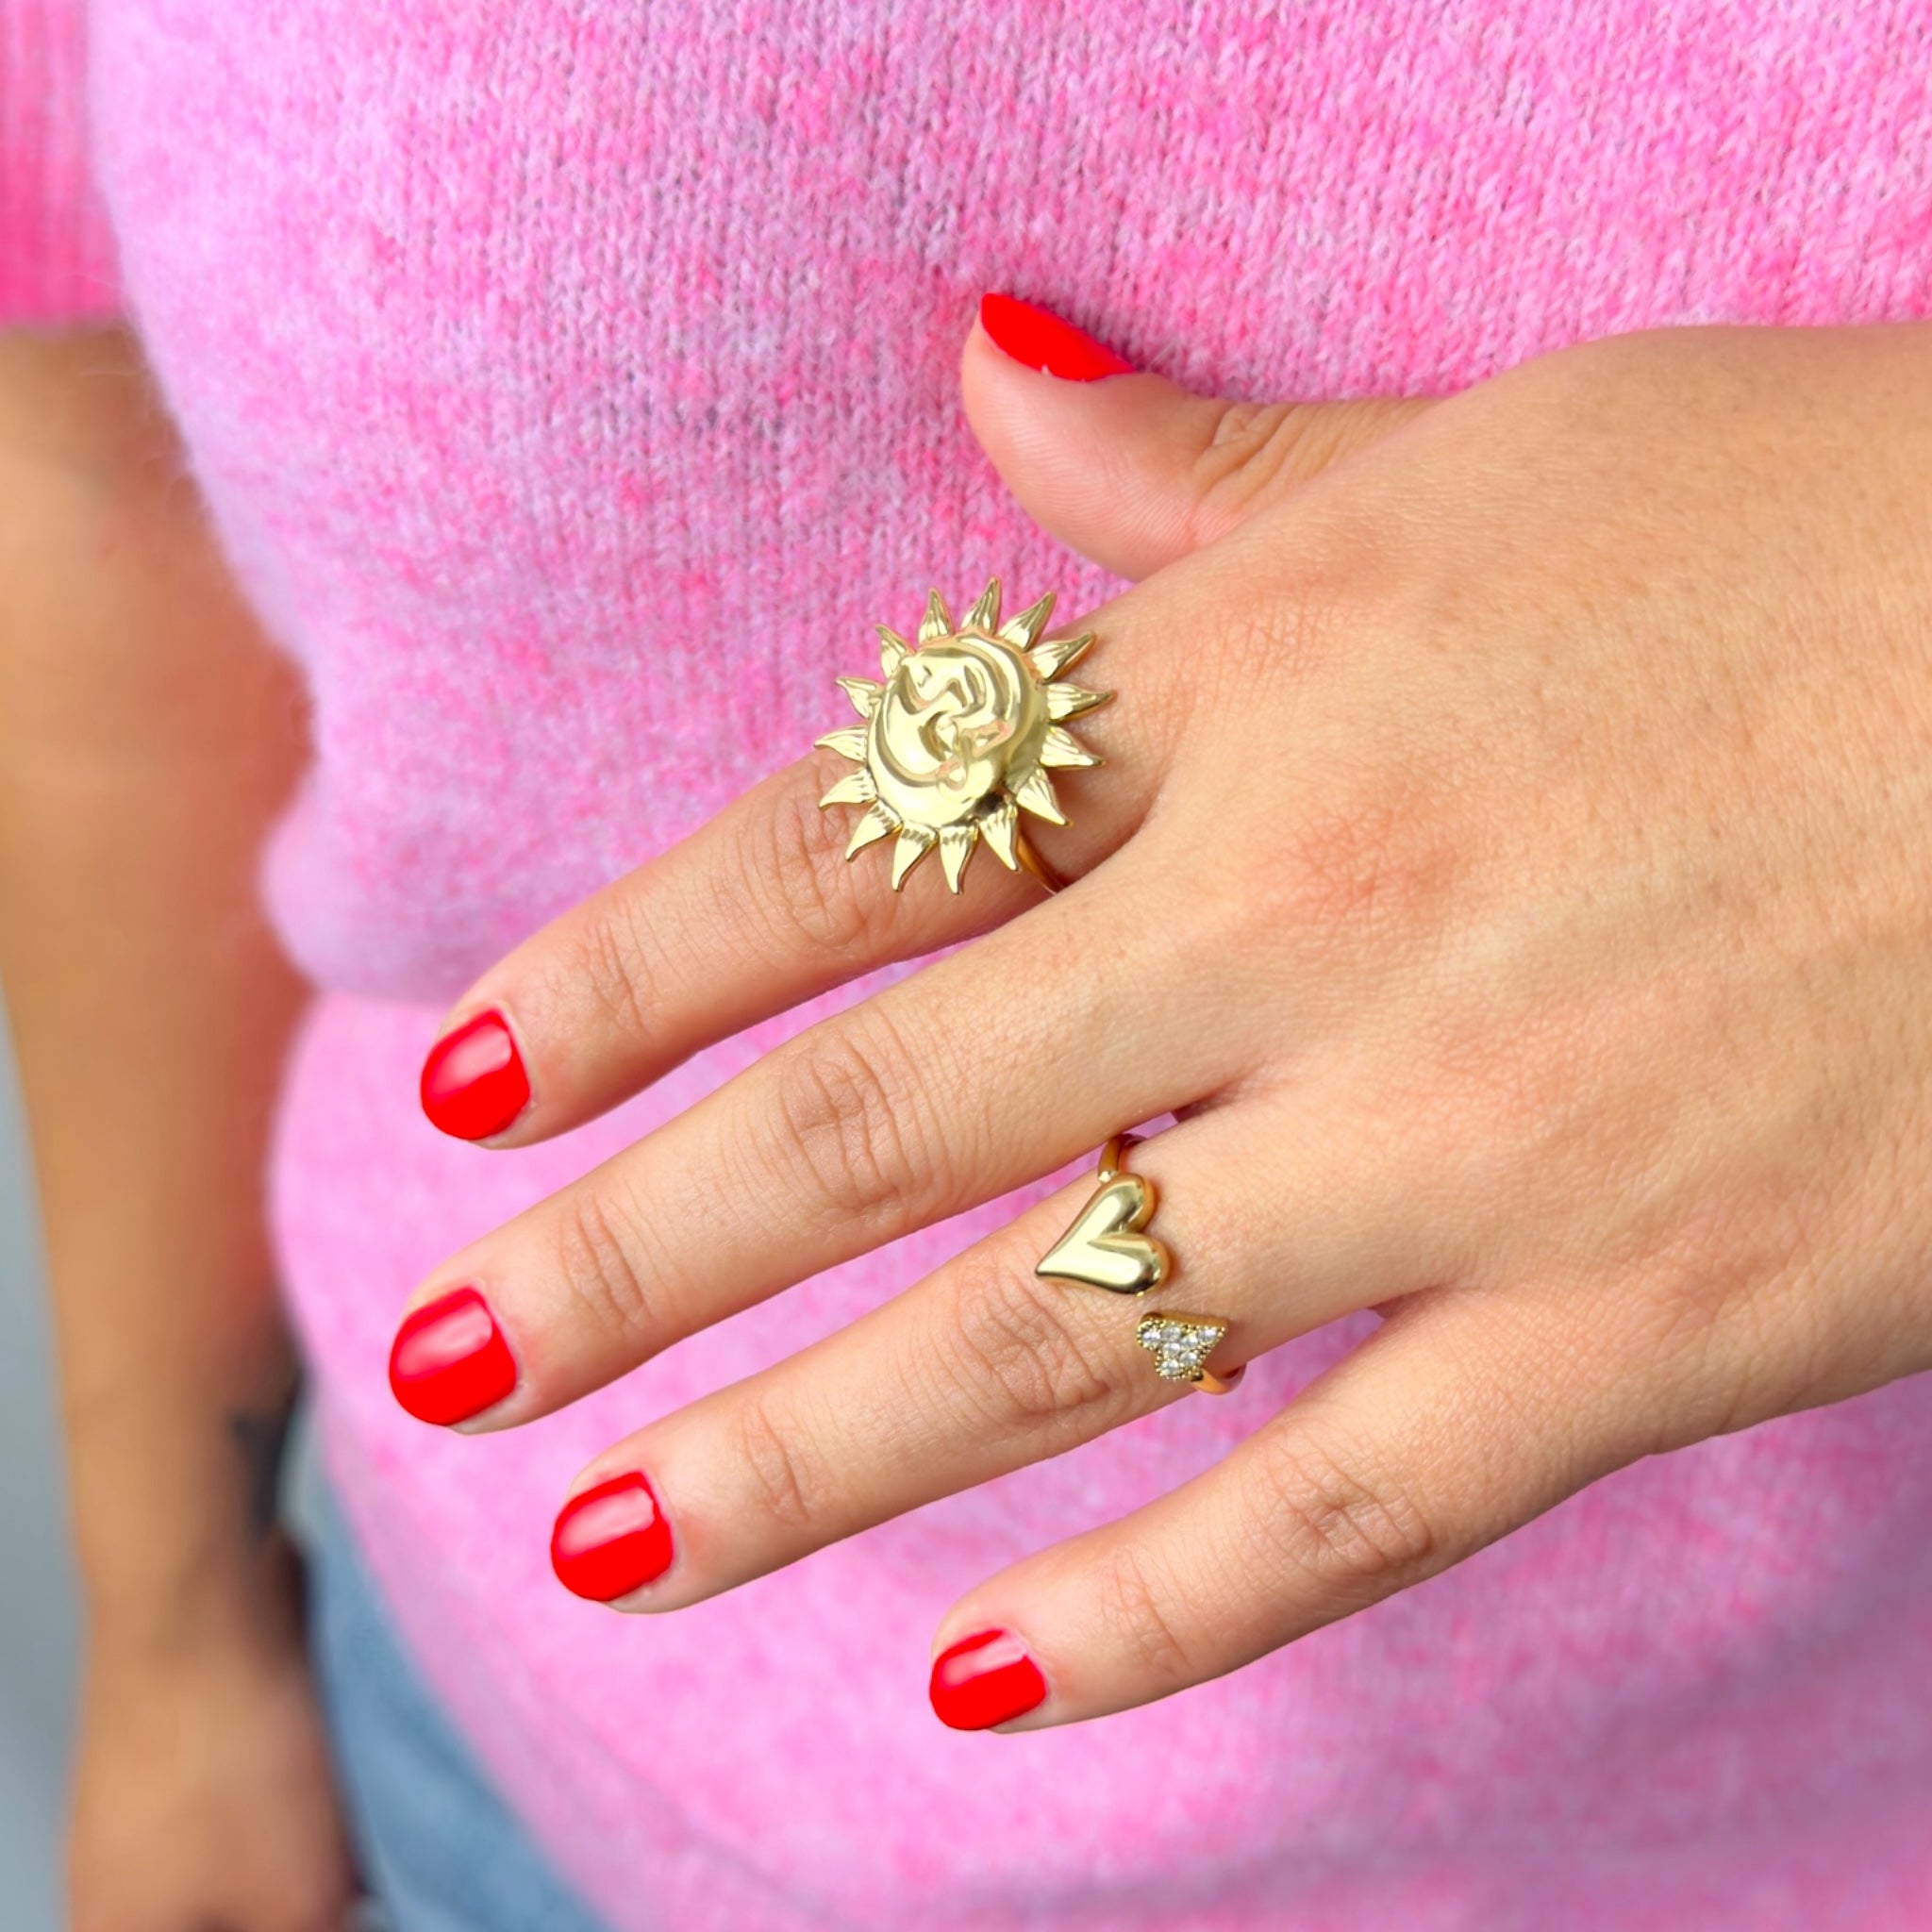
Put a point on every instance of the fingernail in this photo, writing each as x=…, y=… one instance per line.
x=1041, y=340
x=985, y=1680
x=611, y=1539
x=474, y=1083
x=449, y=1360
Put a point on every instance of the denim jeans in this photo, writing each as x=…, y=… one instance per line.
x=440, y=1850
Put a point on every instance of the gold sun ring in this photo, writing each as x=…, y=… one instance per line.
x=961, y=737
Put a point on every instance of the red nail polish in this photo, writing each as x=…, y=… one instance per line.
x=449, y=1360
x=611, y=1539
x=474, y=1083
x=985, y=1680
x=1041, y=340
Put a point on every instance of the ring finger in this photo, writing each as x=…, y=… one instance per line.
x=984, y=1367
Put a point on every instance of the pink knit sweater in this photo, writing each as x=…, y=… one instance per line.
x=572, y=383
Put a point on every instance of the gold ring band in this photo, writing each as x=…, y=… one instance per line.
x=1108, y=1248
x=1032, y=865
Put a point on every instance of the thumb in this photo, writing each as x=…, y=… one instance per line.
x=1130, y=469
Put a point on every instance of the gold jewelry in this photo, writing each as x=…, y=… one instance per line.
x=1180, y=1346
x=961, y=737
x=1108, y=1246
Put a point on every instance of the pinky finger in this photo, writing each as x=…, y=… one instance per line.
x=1451, y=1426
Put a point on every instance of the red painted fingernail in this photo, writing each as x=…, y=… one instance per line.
x=1040, y=339
x=449, y=1360
x=985, y=1680
x=611, y=1539
x=474, y=1083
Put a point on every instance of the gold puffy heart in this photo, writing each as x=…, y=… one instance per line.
x=1104, y=1248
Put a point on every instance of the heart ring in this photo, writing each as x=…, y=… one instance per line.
x=1108, y=1248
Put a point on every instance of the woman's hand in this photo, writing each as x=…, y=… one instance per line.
x=1513, y=862
x=203, y=1796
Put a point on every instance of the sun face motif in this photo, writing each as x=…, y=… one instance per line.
x=962, y=736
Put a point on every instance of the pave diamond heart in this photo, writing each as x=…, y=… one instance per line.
x=1181, y=1347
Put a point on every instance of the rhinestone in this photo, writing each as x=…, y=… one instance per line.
x=1180, y=1348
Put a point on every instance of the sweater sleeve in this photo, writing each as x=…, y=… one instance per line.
x=56, y=257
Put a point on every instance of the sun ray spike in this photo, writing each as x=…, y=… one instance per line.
x=915, y=842
x=1000, y=828
x=1035, y=794
x=938, y=619
x=894, y=649
x=863, y=694
x=1064, y=701
x=1061, y=653
x=876, y=823
x=984, y=614
x=955, y=848
x=849, y=742
x=855, y=788
x=1062, y=750
x=1025, y=629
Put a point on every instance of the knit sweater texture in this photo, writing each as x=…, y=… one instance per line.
x=573, y=385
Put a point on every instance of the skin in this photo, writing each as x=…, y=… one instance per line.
x=147, y=735
x=1542, y=773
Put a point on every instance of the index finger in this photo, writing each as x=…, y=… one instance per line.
x=759, y=908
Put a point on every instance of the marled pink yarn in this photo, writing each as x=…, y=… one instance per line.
x=56, y=258
x=573, y=385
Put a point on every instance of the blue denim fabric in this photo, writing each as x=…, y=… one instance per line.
x=440, y=1850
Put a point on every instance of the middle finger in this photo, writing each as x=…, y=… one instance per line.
x=983, y=1072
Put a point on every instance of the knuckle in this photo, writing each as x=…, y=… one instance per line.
x=1252, y=444
x=1255, y=451
x=789, y=1483
x=599, y=1256
x=1728, y=1313
x=852, y=1123
x=611, y=962
x=797, y=882
x=1138, y=1599
x=1021, y=1363
x=1329, y=1516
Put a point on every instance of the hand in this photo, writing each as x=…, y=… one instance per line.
x=1511, y=865
x=204, y=1797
